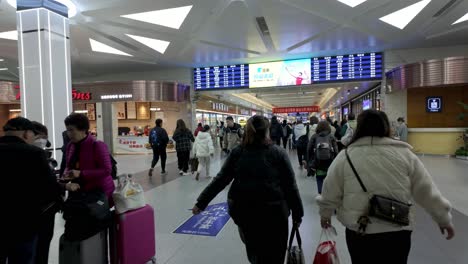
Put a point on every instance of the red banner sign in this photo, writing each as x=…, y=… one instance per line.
x=76, y=95
x=285, y=110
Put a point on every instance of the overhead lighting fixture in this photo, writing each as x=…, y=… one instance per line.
x=97, y=46
x=172, y=17
x=462, y=19
x=403, y=17
x=355, y=88
x=81, y=111
x=3, y=69
x=352, y=3
x=11, y=35
x=15, y=110
x=68, y=3
x=156, y=44
x=1, y=60
x=155, y=109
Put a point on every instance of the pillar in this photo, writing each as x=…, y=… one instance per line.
x=45, y=75
x=107, y=124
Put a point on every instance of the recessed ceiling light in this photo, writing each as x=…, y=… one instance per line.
x=3, y=69
x=172, y=17
x=97, y=46
x=352, y=3
x=156, y=44
x=462, y=19
x=355, y=88
x=68, y=3
x=12, y=35
x=1, y=59
x=403, y=17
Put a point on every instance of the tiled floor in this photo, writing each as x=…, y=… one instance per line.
x=172, y=196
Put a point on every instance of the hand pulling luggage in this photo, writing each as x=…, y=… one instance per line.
x=133, y=237
x=90, y=251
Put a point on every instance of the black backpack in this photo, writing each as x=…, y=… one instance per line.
x=303, y=141
x=324, y=152
x=114, y=166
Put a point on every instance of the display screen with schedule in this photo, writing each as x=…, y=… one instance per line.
x=219, y=77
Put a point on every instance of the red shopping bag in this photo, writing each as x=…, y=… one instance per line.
x=326, y=251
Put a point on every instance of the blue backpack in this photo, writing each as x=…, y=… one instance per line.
x=154, y=137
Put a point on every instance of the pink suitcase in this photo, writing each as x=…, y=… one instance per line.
x=133, y=239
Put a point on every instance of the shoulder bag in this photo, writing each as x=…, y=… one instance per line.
x=383, y=208
x=295, y=253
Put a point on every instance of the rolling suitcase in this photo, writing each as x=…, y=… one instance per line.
x=133, y=237
x=89, y=251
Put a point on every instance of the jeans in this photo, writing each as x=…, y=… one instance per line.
x=22, y=252
x=320, y=180
x=204, y=162
x=387, y=248
x=183, y=158
x=159, y=152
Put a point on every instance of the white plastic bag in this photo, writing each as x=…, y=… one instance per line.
x=128, y=195
x=327, y=252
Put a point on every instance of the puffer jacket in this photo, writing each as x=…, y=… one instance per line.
x=348, y=136
x=264, y=184
x=300, y=130
x=203, y=146
x=388, y=168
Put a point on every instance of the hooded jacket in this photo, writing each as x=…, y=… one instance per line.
x=348, y=136
x=388, y=168
x=203, y=146
x=300, y=130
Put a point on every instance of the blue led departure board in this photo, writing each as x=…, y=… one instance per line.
x=218, y=77
x=341, y=68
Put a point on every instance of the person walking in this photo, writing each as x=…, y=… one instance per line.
x=221, y=134
x=313, y=125
x=276, y=131
x=233, y=135
x=321, y=151
x=203, y=149
x=286, y=133
x=158, y=139
x=347, y=132
x=262, y=196
x=301, y=133
x=402, y=130
x=30, y=192
x=183, y=138
x=198, y=129
x=376, y=164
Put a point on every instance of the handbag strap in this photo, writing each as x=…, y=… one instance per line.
x=355, y=172
x=295, y=231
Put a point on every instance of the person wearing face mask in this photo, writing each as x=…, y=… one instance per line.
x=29, y=191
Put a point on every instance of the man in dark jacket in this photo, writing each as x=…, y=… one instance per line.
x=286, y=133
x=158, y=139
x=29, y=190
x=276, y=131
x=232, y=135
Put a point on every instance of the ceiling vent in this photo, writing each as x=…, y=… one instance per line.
x=446, y=8
x=262, y=25
x=265, y=33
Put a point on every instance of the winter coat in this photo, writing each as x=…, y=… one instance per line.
x=348, y=136
x=388, y=168
x=163, y=138
x=232, y=136
x=198, y=130
x=276, y=131
x=263, y=182
x=183, y=140
x=288, y=131
x=312, y=146
x=94, y=164
x=402, y=132
x=203, y=146
x=300, y=130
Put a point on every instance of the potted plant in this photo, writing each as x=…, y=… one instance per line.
x=462, y=153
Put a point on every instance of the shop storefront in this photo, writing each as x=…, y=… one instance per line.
x=211, y=113
x=368, y=100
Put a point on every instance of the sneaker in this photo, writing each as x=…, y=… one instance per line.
x=185, y=174
x=150, y=172
x=181, y=173
x=198, y=176
x=163, y=172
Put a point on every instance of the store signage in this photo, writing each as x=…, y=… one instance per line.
x=209, y=223
x=76, y=95
x=434, y=104
x=285, y=110
x=220, y=107
x=366, y=104
x=116, y=96
x=245, y=112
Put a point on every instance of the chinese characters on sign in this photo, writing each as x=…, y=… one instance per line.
x=209, y=223
x=286, y=110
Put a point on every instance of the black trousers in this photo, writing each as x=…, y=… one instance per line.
x=221, y=140
x=45, y=235
x=183, y=158
x=159, y=152
x=301, y=152
x=285, y=142
x=383, y=248
x=265, y=242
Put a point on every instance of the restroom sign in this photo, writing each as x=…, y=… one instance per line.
x=434, y=104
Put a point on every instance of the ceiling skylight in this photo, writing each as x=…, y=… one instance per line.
x=97, y=46
x=462, y=19
x=172, y=17
x=403, y=17
x=12, y=35
x=156, y=44
x=352, y=3
x=68, y=3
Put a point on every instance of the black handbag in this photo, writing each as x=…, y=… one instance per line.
x=383, y=208
x=295, y=253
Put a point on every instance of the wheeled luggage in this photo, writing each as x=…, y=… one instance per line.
x=133, y=237
x=89, y=251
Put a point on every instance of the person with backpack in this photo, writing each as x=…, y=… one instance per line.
x=158, y=140
x=183, y=138
x=262, y=196
x=203, y=150
x=321, y=151
x=286, y=132
x=301, y=133
x=347, y=132
x=233, y=135
x=276, y=131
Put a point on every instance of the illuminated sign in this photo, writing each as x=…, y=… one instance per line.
x=434, y=104
x=286, y=110
x=76, y=95
x=366, y=104
x=279, y=73
x=116, y=96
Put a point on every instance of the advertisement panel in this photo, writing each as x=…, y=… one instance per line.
x=280, y=73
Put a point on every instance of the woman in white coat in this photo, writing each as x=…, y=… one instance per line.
x=203, y=149
x=387, y=168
